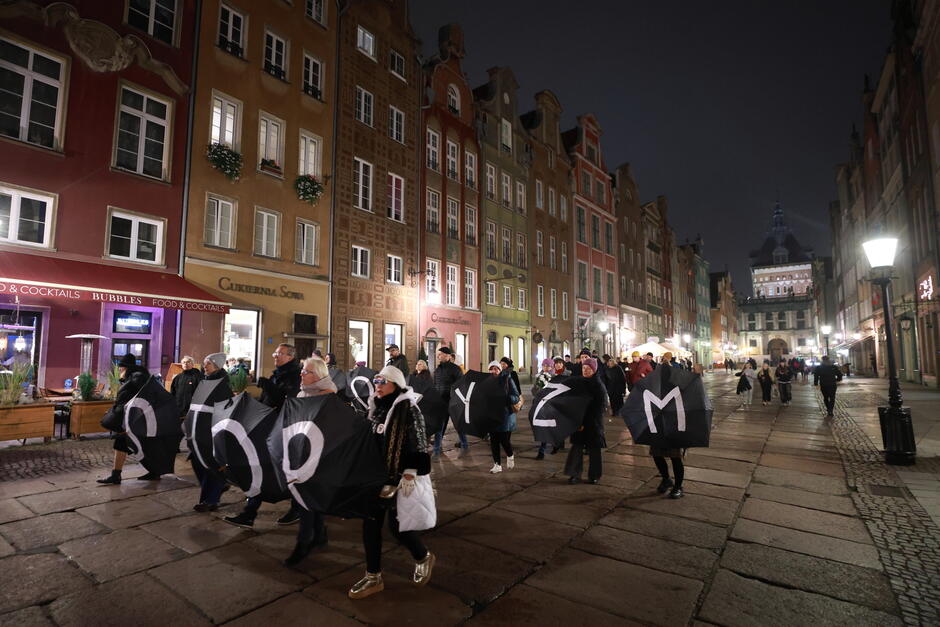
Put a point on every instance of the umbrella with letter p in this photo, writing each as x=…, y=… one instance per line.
x=151, y=420
x=477, y=403
x=669, y=409
x=557, y=410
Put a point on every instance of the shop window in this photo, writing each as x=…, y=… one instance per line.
x=395, y=334
x=32, y=86
x=240, y=338
x=138, y=348
x=135, y=238
x=25, y=217
x=360, y=340
x=304, y=325
x=461, y=344
x=20, y=338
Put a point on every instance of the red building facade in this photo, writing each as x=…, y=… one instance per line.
x=94, y=143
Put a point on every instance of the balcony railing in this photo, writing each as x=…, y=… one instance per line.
x=230, y=46
x=274, y=70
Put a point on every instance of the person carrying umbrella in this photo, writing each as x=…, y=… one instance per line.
x=548, y=371
x=211, y=484
x=591, y=434
x=398, y=424
x=659, y=454
x=445, y=375
x=133, y=378
x=500, y=437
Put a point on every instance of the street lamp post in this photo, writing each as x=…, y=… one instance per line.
x=826, y=330
x=897, y=429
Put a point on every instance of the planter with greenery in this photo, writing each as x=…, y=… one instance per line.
x=270, y=165
x=87, y=412
x=20, y=418
x=238, y=381
x=309, y=188
x=225, y=160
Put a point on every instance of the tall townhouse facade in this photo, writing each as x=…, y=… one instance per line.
x=93, y=136
x=376, y=184
x=450, y=291
x=702, y=340
x=549, y=231
x=657, y=265
x=505, y=161
x=266, y=92
x=686, y=304
x=724, y=317
x=631, y=247
x=597, y=304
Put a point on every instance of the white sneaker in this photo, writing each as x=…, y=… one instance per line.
x=510, y=462
x=495, y=469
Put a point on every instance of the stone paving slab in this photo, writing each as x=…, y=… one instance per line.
x=803, y=519
x=809, y=543
x=603, y=494
x=129, y=513
x=800, y=480
x=64, y=500
x=13, y=489
x=525, y=605
x=727, y=453
x=695, y=506
x=718, y=463
x=664, y=555
x=183, y=499
x=695, y=487
x=734, y=600
x=577, y=514
x=33, y=579
x=343, y=550
x=137, y=600
x=801, y=463
x=49, y=530
x=195, y=533
x=120, y=553
x=27, y=617
x=619, y=588
x=673, y=528
x=718, y=477
x=294, y=609
x=6, y=548
x=810, y=500
x=854, y=584
x=253, y=579
x=11, y=509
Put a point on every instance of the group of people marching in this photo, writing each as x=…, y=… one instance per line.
x=826, y=375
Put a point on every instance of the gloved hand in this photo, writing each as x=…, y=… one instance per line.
x=407, y=484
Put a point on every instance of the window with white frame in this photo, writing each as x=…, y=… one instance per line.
x=364, y=102
x=314, y=10
x=563, y=207
x=539, y=249
x=360, y=262
x=31, y=96
x=25, y=217
x=540, y=301
x=157, y=18
x=396, y=197
x=270, y=141
x=313, y=76
x=582, y=280
x=453, y=100
x=521, y=253
x=470, y=225
x=551, y=201
x=135, y=238
x=507, y=296
x=506, y=187
x=143, y=126
x=520, y=196
x=433, y=273
x=564, y=305
x=507, y=244
x=306, y=243
x=522, y=298
x=267, y=230
x=490, y=181
x=396, y=124
x=433, y=145
x=551, y=252
x=231, y=30
x=433, y=211
x=452, y=160
x=453, y=218
x=538, y=194
x=451, y=297
x=393, y=269
x=491, y=239
x=469, y=288
x=470, y=169
x=362, y=184
x=310, y=154
x=396, y=64
x=491, y=293
x=275, y=55
x=226, y=120
x=564, y=257
x=220, y=213
x=365, y=42
x=553, y=303
x=505, y=134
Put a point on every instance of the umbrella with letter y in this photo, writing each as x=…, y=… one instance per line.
x=557, y=410
x=477, y=403
x=151, y=420
x=669, y=409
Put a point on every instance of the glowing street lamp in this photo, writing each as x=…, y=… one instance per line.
x=686, y=338
x=826, y=330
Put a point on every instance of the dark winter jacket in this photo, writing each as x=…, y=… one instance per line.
x=592, y=433
x=135, y=377
x=827, y=376
x=283, y=384
x=183, y=386
x=508, y=382
x=783, y=374
x=403, y=438
x=400, y=362
x=765, y=378
x=445, y=375
x=616, y=383
x=420, y=381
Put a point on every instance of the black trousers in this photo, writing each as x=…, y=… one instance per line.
x=312, y=524
x=372, y=538
x=678, y=469
x=500, y=439
x=829, y=397
x=574, y=464
x=784, y=392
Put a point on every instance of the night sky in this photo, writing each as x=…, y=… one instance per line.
x=721, y=106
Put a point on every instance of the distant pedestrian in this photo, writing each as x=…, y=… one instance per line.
x=784, y=377
x=561, y=367
x=747, y=383
x=637, y=369
x=445, y=375
x=591, y=434
x=543, y=377
x=616, y=386
x=184, y=384
x=659, y=455
x=765, y=377
x=827, y=376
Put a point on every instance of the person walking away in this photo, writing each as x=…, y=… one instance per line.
x=184, y=384
x=314, y=381
x=396, y=358
x=543, y=377
x=403, y=445
x=616, y=385
x=747, y=383
x=133, y=378
x=765, y=377
x=445, y=375
x=590, y=436
x=211, y=485
x=284, y=383
x=827, y=376
x=784, y=377
x=501, y=437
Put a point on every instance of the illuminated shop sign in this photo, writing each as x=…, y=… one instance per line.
x=132, y=322
x=925, y=288
x=225, y=283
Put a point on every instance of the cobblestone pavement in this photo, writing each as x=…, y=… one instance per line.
x=38, y=460
x=787, y=518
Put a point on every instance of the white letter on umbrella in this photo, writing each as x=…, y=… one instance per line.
x=147, y=410
x=557, y=388
x=306, y=470
x=466, y=401
x=196, y=409
x=352, y=386
x=650, y=399
x=254, y=464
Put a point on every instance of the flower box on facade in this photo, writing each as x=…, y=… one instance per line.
x=86, y=417
x=19, y=422
x=270, y=167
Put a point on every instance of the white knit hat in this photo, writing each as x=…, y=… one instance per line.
x=393, y=374
x=216, y=358
x=494, y=364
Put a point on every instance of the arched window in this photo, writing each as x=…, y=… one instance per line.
x=521, y=354
x=507, y=346
x=453, y=99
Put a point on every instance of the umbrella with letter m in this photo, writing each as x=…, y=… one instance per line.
x=557, y=410
x=477, y=403
x=669, y=409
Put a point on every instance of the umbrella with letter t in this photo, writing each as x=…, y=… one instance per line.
x=151, y=420
x=477, y=403
x=558, y=409
x=669, y=409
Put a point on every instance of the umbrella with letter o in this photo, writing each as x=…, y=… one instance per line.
x=558, y=409
x=477, y=403
x=669, y=409
x=198, y=422
x=151, y=420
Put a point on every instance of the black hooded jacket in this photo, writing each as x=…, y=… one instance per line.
x=283, y=384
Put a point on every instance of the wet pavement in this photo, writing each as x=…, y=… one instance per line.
x=781, y=523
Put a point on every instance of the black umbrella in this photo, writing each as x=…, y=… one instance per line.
x=432, y=407
x=339, y=378
x=360, y=384
x=327, y=456
x=557, y=410
x=669, y=409
x=198, y=423
x=240, y=429
x=478, y=403
x=151, y=420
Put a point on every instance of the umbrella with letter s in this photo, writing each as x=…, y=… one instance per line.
x=151, y=420
x=477, y=403
x=558, y=409
x=669, y=409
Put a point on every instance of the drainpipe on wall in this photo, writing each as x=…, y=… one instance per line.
x=341, y=7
